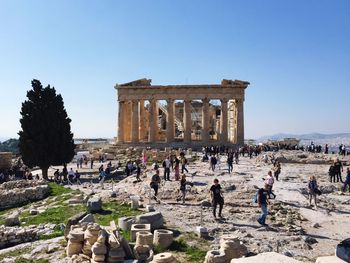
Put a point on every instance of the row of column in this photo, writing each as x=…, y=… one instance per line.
x=133, y=122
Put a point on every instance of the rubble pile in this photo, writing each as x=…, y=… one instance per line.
x=90, y=241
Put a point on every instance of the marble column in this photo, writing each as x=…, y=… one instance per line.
x=135, y=121
x=127, y=121
x=170, y=122
x=223, y=121
x=240, y=122
x=187, y=121
x=143, y=120
x=205, y=121
x=153, y=119
x=121, y=122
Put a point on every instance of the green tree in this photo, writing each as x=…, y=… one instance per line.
x=45, y=138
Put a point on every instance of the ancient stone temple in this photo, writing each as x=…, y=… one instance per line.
x=191, y=115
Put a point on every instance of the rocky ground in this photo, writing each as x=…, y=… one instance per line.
x=295, y=229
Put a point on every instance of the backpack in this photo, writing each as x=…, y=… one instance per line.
x=313, y=185
x=255, y=197
x=163, y=164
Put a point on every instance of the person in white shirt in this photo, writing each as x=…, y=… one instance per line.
x=270, y=181
x=166, y=166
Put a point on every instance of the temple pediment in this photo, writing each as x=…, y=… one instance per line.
x=138, y=82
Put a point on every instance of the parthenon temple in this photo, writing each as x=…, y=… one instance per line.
x=192, y=115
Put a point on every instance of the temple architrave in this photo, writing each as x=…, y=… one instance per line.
x=187, y=114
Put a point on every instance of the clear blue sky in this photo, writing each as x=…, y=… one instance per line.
x=295, y=53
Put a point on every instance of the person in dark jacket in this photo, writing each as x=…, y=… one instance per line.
x=347, y=180
x=217, y=197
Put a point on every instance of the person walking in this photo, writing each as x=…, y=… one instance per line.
x=183, y=184
x=155, y=181
x=270, y=181
x=177, y=169
x=213, y=162
x=217, y=197
x=313, y=190
x=138, y=172
x=338, y=168
x=183, y=164
x=347, y=180
x=230, y=162
x=263, y=201
x=277, y=169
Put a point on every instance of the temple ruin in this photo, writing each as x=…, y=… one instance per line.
x=191, y=115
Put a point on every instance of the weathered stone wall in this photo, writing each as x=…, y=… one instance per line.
x=10, y=236
x=16, y=193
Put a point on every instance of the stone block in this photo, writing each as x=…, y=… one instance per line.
x=73, y=221
x=126, y=222
x=89, y=218
x=163, y=238
x=94, y=204
x=233, y=249
x=329, y=259
x=155, y=219
x=215, y=256
x=165, y=257
x=33, y=211
x=144, y=238
x=150, y=208
x=13, y=220
x=268, y=257
x=202, y=231
x=137, y=228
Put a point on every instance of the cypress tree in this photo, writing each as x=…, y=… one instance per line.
x=45, y=138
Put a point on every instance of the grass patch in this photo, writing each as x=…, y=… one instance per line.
x=193, y=253
x=23, y=260
x=15, y=253
x=113, y=211
x=54, y=215
x=57, y=190
x=126, y=234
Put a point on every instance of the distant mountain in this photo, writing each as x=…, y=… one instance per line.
x=10, y=145
x=318, y=138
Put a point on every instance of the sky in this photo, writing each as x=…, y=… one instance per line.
x=295, y=54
